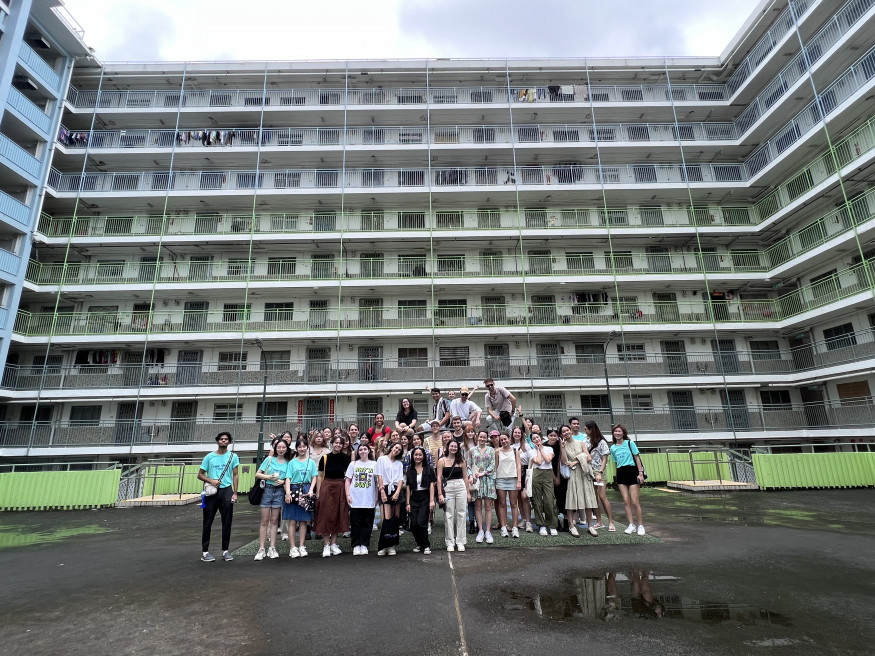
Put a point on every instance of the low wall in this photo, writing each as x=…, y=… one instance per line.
x=814, y=470
x=59, y=490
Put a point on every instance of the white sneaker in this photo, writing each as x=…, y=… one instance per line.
x=427, y=551
x=489, y=539
x=364, y=551
x=326, y=551
x=382, y=552
x=335, y=550
x=357, y=551
x=479, y=537
x=543, y=531
x=641, y=529
x=450, y=547
x=376, y=528
x=392, y=551
x=504, y=531
x=285, y=537
x=529, y=528
x=515, y=532
x=460, y=547
x=630, y=529
x=260, y=555
x=303, y=552
x=416, y=549
x=272, y=553
x=279, y=529
x=554, y=532
x=294, y=553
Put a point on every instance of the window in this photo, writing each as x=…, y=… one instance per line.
x=856, y=393
x=621, y=259
x=322, y=266
x=275, y=360
x=236, y=312
x=412, y=357
x=765, y=350
x=625, y=305
x=631, y=353
x=633, y=402
x=227, y=411
x=454, y=356
x=281, y=267
x=412, y=310
x=824, y=284
x=273, y=410
x=580, y=261
x=85, y=415
x=449, y=220
x=839, y=337
x=589, y=353
x=53, y=364
x=412, y=265
x=775, y=399
x=279, y=311
x=411, y=220
x=452, y=308
x=112, y=270
x=594, y=402
x=232, y=361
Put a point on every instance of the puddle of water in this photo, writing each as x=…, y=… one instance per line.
x=635, y=595
x=20, y=537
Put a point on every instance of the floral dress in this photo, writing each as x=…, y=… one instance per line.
x=483, y=462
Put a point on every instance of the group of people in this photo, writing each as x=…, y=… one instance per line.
x=332, y=481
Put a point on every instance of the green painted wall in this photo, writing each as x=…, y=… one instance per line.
x=64, y=490
x=814, y=470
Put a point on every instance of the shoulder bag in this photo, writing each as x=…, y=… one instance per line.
x=643, y=471
x=257, y=490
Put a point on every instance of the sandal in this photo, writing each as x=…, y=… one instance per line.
x=593, y=532
x=612, y=528
x=573, y=530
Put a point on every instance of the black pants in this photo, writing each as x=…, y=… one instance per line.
x=361, y=524
x=419, y=512
x=221, y=502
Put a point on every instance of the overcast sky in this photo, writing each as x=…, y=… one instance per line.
x=176, y=30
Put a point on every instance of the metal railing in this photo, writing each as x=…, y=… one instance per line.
x=39, y=66
x=254, y=138
x=750, y=422
x=143, y=480
x=721, y=464
x=14, y=209
x=30, y=111
x=18, y=156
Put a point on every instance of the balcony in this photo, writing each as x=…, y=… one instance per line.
x=395, y=136
x=753, y=421
x=16, y=157
x=37, y=118
x=38, y=66
x=14, y=212
x=507, y=177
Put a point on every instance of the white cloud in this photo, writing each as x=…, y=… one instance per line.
x=346, y=29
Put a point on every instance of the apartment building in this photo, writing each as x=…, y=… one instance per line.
x=681, y=244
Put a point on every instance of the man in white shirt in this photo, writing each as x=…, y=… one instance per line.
x=500, y=404
x=465, y=409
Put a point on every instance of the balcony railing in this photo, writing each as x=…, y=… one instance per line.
x=18, y=156
x=231, y=137
x=850, y=348
x=38, y=118
x=568, y=263
x=508, y=177
x=452, y=314
x=15, y=210
x=702, y=420
x=39, y=66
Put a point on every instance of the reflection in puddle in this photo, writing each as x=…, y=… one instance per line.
x=20, y=537
x=635, y=594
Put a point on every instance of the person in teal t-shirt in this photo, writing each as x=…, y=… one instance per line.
x=219, y=468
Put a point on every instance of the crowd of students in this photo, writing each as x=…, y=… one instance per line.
x=332, y=481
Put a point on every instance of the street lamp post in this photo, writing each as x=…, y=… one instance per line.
x=607, y=381
x=260, y=452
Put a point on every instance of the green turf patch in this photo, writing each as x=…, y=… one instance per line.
x=314, y=547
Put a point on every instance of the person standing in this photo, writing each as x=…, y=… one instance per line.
x=332, y=518
x=630, y=476
x=301, y=478
x=272, y=472
x=219, y=468
x=361, y=495
x=455, y=493
x=543, y=500
x=420, y=483
x=580, y=495
x=390, y=476
x=500, y=404
x=481, y=470
x=600, y=451
x=508, y=481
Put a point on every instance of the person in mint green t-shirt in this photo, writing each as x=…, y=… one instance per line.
x=273, y=473
x=219, y=468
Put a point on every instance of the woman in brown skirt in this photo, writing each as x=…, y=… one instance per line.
x=332, y=517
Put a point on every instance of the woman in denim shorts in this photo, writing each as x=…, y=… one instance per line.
x=273, y=471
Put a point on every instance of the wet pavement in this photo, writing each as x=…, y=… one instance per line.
x=744, y=573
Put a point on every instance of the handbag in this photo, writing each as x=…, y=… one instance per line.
x=209, y=488
x=564, y=471
x=256, y=492
x=643, y=471
x=299, y=497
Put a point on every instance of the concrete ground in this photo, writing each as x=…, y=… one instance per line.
x=751, y=572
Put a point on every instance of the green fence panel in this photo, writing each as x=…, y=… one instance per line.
x=164, y=479
x=59, y=489
x=814, y=470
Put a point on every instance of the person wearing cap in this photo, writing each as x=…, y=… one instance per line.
x=465, y=408
x=500, y=404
